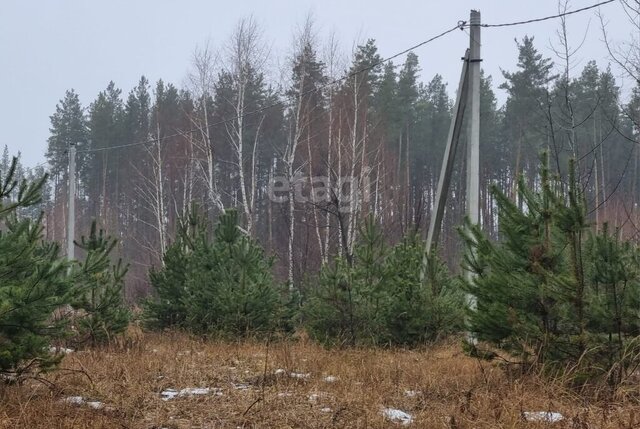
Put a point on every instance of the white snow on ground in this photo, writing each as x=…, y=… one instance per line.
x=542, y=416
x=411, y=393
x=79, y=400
x=10, y=378
x=325, y=410
x=284, y=394
x=168, y=394
x=330, y=379
x=396, y=415
x=60, y=350
x=241, y=386
x=298, y=375
x=315, y=397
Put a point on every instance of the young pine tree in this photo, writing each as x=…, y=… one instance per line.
x=166, y=308
x=613, y=300
x=419, y=311
x=34, y=281
x=525, y=283
x=101, y=285
x=550, y=292
x=380, y=299
x=229, y=285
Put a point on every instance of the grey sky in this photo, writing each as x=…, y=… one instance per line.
x=50, y=46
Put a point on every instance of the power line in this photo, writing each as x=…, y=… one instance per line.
x=529, y=21
x=283, y=103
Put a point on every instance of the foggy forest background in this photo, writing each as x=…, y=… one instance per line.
x=232, y=130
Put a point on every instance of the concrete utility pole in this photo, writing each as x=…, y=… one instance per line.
x=71, y=207
x=467, y=104
x=446, y=171
x=473, y=145
x=450, y=149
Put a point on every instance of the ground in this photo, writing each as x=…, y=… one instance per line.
x=292, y=384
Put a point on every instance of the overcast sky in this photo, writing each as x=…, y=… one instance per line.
x=48, y=47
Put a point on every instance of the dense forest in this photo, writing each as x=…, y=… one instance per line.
x=307, y=157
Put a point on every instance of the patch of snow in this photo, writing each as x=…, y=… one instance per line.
x=314, y=397
x=9, y=378
x=411, y=393
x=330, y=379
x=168, y=394
x=542, y=416
x=284, y=394
x=241, y=386
x=195, y=391
x=60, y=350
x=325, y=410
x=298, y=375
x=79, y=400
x=96, y=405
x=396, y=415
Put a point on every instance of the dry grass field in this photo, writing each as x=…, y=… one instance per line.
x=292, y=385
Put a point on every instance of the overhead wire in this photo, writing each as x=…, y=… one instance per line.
x=545, y=18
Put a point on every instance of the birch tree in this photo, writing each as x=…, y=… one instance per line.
x=246, y=55
x=202, y=82
x=306, y=106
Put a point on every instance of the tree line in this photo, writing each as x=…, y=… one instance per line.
x=307, y=158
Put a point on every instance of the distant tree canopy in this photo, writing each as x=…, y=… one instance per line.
x=228, y=137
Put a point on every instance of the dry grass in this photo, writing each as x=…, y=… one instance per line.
x=452, y=390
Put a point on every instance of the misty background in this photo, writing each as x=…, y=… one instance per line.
x=49, y=47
